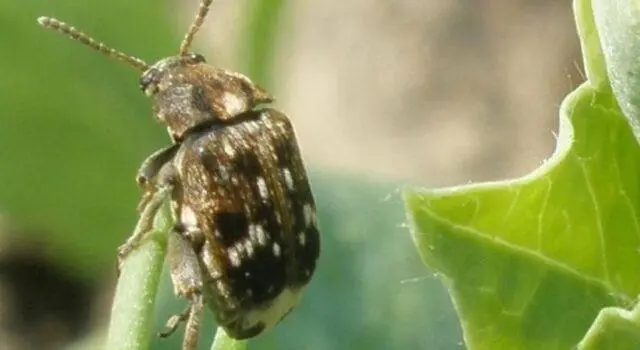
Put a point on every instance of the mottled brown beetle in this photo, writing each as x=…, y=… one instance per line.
x=245, y=240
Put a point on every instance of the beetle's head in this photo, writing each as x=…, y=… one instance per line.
x=186, y=91
x=158, y=77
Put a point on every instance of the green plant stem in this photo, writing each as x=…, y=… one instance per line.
x=222, y=341
x=593, y=58
x=133, y=303
x=260, y=38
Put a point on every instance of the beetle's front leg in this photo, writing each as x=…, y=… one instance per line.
x=145, y=223
x=187, y=279
x=149, y=170
x=164, y=185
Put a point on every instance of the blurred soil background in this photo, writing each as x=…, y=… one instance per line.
x=383, y=95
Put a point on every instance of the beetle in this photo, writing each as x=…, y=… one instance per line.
x=245, y=240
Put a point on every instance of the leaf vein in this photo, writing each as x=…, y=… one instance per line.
x=597, y=217
x=543, y=209
x=499, y=241
x=627, y=200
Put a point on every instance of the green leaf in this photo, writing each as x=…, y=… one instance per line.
x=618, y=23
x=614, y=328
x=530, y=262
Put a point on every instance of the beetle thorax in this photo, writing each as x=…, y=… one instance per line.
x=187, y=92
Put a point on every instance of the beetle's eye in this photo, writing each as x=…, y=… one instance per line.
x=196, y=58
x=147, y=78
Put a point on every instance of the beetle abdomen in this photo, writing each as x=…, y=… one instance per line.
x=247, y=188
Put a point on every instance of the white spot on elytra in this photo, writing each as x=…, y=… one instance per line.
x=210, y=263
x=262, y=187
x=239, y=248
x=222, y=288
x=233, y=104
x=276, y=250
x=188, y=218
x=224, y=173
x=228, y=149
x=288, y=180
x=234, y=257
x=302, y=238
x=309, y=215
x=261, y=235
x=248, y=247
x=252, y=126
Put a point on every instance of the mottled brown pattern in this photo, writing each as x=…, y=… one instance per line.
x=219, y=169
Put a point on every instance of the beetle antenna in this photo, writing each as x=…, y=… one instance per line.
x=195, y=26
x=75, y=34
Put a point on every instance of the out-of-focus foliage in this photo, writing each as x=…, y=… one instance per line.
x=73, y=125
x=74, y=128
x=543, y=259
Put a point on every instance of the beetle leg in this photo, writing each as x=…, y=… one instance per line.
x=192, y=330
x=153, y=164
x=173, y=322
x=145, y=223
x=146, y=177
x=187, y=279
x=166, y=182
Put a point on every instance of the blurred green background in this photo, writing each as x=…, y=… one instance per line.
x=73, y=130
